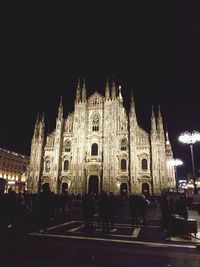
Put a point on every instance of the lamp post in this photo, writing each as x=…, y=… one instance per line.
x=176, y=163
x=191, y=139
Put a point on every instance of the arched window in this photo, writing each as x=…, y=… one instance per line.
x=144, y=164
x=123, y=144
x=47, y=166
x=94, y=150
x=66, y=165
x=67, y=146
x=95, y=123
x=123, y=165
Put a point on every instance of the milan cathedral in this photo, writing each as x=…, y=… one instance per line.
x=100, y=147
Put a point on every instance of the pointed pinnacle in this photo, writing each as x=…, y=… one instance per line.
x=84, y=82
x=38, y=116
x=167, y=136
x=61, y=101
x=107, y=81
x=78, y=85
x=131, y=93
x=113, y=81
x=43, y=117
x=152, y=111
x=132, y=98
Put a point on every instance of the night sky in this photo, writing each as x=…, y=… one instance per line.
x=150, y=47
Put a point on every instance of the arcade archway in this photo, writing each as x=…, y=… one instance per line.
x=93, y=186
x=123, y=189
x=145, y=189
x=64, y=188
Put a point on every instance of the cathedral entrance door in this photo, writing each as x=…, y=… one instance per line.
x=145, y=189
x=64, y=187
x=123, y=189
x=93, y=186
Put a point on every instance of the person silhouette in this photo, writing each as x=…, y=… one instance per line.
x=45, y=204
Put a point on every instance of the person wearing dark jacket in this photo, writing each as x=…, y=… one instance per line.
x=133, y=205
x=45, y=205
x=88, y=212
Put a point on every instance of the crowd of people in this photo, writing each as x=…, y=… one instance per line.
x=23, y=208
x=107, y=206
x=18, y=209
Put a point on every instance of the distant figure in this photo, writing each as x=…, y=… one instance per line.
x=133, y=205
x=181, y=208
x=45, y=204
x=88, y=212
x=142, y=204
x=105, y=212
x=11, y=206
x=112, y=210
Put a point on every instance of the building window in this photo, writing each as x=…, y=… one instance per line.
x=123, y=144
x=94, y=150
x=95, y=123
x=48, y=166
x=144, y=164
x=123, y=165
x=67, y=146
x=66, y=165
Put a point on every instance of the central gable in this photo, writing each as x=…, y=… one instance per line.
x=95, y=99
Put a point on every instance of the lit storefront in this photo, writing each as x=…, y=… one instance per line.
x=13, y=169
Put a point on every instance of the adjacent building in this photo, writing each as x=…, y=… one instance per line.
x=101, y=147
x=13, y=170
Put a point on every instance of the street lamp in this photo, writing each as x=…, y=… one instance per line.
x=191, y=139
x=176, y=163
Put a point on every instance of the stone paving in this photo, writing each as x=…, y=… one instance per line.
x=151, y=234
x=154, y=231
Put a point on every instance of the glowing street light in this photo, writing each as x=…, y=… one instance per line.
x=191, y=139
x=176, y=163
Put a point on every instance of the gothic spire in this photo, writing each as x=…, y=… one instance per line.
x=37, y=122
x=153, y=121
x=78, y=92
x=37, y=125
x=84, y=91
x=132, y=107
x=42, y=118
x=113, y=89
x=168, y=145
x=120, y=93
x=132, y=113
x=60, y=110
x=167, y=138
x=160, y=121
x=42, y=126
x=107, y=90
x=159, y=113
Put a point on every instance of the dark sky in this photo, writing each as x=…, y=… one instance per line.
x=151, y=47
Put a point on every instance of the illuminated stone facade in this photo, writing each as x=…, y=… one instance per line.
x=101, y=147
x=13, y=169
